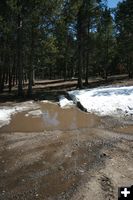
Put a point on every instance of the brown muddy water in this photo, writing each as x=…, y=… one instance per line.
x=128, y=129
x=50, y=153
x=51, y=117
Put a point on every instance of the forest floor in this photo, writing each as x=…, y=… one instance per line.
x=51, y=89
x=64, y=154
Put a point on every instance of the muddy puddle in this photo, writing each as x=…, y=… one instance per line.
x=50, y=117
x=126, y=129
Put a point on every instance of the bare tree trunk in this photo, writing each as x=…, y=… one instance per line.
x=80, y=52
x=30, y=75
x=87, y=48
x=2, y=81
x=19, y=56
x=14, y=70
x=9, y=75
x=130, y=67
x=0, y=78
x=82, y=36
x=87, y=69
x=66, y=57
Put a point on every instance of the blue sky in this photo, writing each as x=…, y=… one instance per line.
x=113, y=3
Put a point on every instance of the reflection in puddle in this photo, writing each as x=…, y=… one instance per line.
x=51, y=117
x=73, y=123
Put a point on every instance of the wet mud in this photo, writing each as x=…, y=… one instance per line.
x=51, y=117
x=63, y=154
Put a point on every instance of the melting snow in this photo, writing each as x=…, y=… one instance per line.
x=104, y=101
x=64, y=102
x=116, y=101
x=35, y=113
x=7, y=112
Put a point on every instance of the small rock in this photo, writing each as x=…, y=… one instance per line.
x=81, y=170
x=103, y=155
x=60, y=168
x=130, y=108
x=3, y=192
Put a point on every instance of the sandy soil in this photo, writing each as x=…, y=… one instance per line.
x=87, y=160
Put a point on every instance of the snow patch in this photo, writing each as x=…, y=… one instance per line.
x=104, y=101
x=64, y=102
x=48, y=102
x=44, y=101
x=34, y=113
x=7, y=112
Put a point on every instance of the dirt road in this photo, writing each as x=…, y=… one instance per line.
x=87, y=159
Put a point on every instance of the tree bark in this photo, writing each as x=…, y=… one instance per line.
x=19, y=56
x=80, y=52
x=30, y=76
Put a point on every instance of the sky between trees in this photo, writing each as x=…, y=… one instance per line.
x=113, y=3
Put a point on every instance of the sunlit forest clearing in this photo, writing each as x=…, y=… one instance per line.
x=66, y=99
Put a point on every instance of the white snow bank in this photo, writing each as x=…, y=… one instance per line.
x=7, y=112
x=106, y=101
x=64, y=102
x=5, y=115
x=47, y=102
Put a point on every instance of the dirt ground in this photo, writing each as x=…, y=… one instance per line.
x=64, y=154
x=52, y=89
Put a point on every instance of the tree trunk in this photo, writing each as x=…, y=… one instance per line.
x=87, y=49
x=87, y=69
x=31, y=64
x=2, y=81
x=19, y=57
x=130, y=68
x=30, y=77
x=80, y=52
x=82, y=36
x=14, y=70
x=10, y=79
